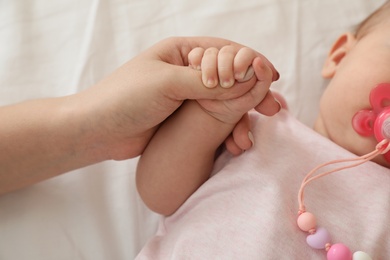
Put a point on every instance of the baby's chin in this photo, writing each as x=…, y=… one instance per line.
x=366, y=144
x=362, y=146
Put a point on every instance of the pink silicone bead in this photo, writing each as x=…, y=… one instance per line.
x=339, y=252
x=306, y=221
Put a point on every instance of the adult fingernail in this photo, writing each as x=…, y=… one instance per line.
x=248, y=74
x=276, y=76
x=280, y=105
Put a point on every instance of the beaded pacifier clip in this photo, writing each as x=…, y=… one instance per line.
x=366, y=122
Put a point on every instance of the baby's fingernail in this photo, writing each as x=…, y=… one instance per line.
x=227, y=83
x=250, y=135
x=210, y=83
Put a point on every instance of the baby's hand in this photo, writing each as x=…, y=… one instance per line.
x=232, y=67
x=227, y=67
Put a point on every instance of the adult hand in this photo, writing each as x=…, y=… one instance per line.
x=114, y=119
x=141, y=94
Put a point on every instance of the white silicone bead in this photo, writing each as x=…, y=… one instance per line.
x=359, y=255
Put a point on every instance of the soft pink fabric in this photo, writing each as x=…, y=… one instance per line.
x=248, y=209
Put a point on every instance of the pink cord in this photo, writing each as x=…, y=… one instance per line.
x=319, y=237
x=381, y=148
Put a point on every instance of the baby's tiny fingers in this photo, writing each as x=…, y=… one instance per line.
x=209, y=67
x=225, y=66
x=195, y=58
x=242, y=62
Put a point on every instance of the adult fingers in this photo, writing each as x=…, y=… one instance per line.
x=269, y=106
x=241, y=138
x=182, y=82
x=175, y=50
x=241, y=133
x=258, y=93
x=232, y=146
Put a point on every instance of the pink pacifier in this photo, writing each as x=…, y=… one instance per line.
x=375, y=122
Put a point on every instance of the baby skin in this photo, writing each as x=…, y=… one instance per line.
x=180, y=156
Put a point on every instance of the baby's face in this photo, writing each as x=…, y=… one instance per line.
x=365, y=64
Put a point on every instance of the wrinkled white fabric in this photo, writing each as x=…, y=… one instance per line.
x=56, y=48
x=248, y=209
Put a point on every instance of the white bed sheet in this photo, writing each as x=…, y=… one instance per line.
x=55, y=48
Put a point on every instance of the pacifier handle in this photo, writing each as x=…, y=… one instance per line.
x=363, y=122
x=375, y=122
x=382, y=125
x=380, y=97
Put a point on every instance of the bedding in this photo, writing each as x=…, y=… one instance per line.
x=248, y=208
x=56, y=48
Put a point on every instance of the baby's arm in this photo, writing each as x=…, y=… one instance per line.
x=240, y=138
x=180, y=156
